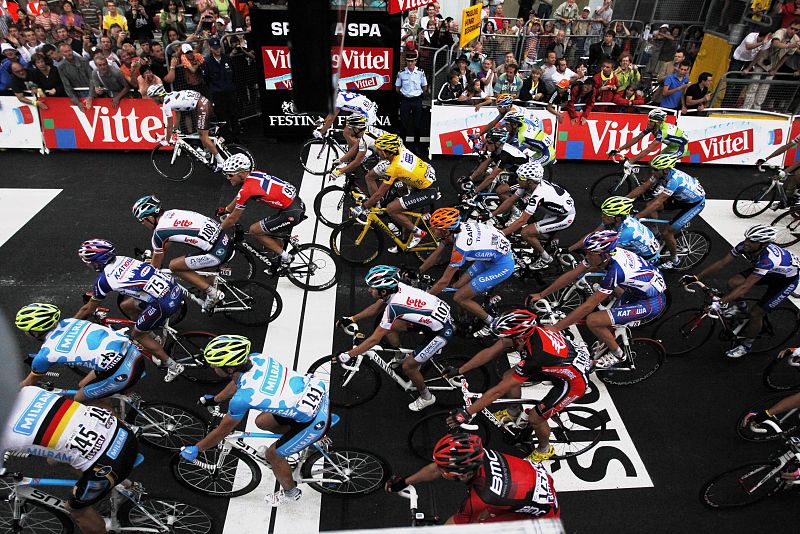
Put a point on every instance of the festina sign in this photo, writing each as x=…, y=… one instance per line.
x=398, y=6
x=360, y=68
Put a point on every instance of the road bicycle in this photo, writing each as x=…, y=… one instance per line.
x=466, y=166
x=789, y=422
x=233, y=468
x=757, y=198
x=782, y=374
x=693, y=245
x=320, y=155
x=788, y=226
x=619, y=183
x=332, y=204
x=175, y=161
x=418, y=519
x=689, y=329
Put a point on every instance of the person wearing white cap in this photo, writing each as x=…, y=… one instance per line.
x=10, y=55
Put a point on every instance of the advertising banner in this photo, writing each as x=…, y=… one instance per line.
x=19, y=124
x=792, y=155
x=135, y=124
x=732, y=141
x=470, y=24
x=398, y=6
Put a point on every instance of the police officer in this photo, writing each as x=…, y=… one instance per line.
x=410, y=84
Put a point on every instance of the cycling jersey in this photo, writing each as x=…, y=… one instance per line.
x=409, y=169
x=133, y=278
x=367, y=141
x=416, y=306
x=180, y=101
x=507, y=488
x=508, y=157
x=680, y=186
x=530, y=121
x=550, y=197
x=189, y=227
x=266, y=189
x=771, y=260
x=636, y=237
x=479, y=242
x=356, y=103
x=636, y=276
x=80, y=343
x=533, y=139
x=672, y=136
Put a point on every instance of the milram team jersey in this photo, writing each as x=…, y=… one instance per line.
x=266, y=189
x=189, y=227
x=415, y=306
x=274, y=388
x=356, y=103
x=509, y=157
x=42, y=423
x=410, y=170
x=630, y=272
x=479, y=242
x=133, y=278
x=82, y=344
x=179, y=101
x=771, y=260
x=680, y=186
x=367, y=141
x=551, y=197
x=636, y=237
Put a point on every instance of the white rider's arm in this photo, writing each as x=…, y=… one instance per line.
x=371, y=341
x=581, y=311
x=641, y=189
x=715, y=267
x=444, y=281
x=433, y=258
x=632, y=142
x=521, y=221
x=564, y=280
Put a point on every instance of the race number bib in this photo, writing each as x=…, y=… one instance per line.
x=157, y=287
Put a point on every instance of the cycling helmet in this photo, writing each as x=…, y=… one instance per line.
x=657, y=115
x=383, y=277
x=37, y=317
x=498, y=136
x=237, y=163
x=531, y=171
x=504, y=99
x=146, y=206
x=517, y=323
x=356, y=121
x=514, y=117
x=445, y=218
x=156, y=90
x=458, y=454
x=227, y=351
x=97, y=251
x=601, y=241
x=663, y=162
x=613, y=206
x=388, y=142
x=761, y=233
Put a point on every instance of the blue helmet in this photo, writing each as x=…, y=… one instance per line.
x=97, y=251
x=601, y=241
x=383, y=277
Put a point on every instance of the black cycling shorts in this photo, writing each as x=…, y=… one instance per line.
x=419, y=197
x=110, y=469
x=285, y=219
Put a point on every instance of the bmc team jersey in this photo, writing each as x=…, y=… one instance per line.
x=546, y=352
x=82, y=344
x=410, y=170
x=189, y=227
x=367, y=141
x=672, y=136
x=630, y=272
x=271, y=387
x=356, y=103
x=552, y=198
x=479, y=242
x=266, y=189
x=133, y=278
x=507, y=488
x=771, y=260
x=634, y=236
x=179, y=101
x=680, y=186
x=42, y=423
x=415, y=306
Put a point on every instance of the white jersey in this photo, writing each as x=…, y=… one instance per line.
x=356, y=103
x=135, y=279
x=415, y=306
x=479, y=242
x=179, y=101
x=42, y=423
x=81, y=343
x=367, y=141
x=553, y=198
x=189, y=227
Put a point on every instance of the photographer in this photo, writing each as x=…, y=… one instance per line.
x=140, y=25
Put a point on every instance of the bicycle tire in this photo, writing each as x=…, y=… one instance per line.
x=232, y=480
x=359, y=390
x=788, y=421
x=649, y=354
x=730, y=489
x=788, y=230
x=342, y=243
x=373, y=471
x=780, y=325
x=242, y=266
x=754, y=199
x=779, y=375
x=477, y=378
x=330, y=204
x=582, y=430
x=566, y=299
x=40, y=519
x=181, y=518
x=182, y=427
x=321, y=165
x=687, y=326
x=464, y=166
x=187, y=348
x=609, y=185
x=175, y=171
x=229, y=149
x=310, y=259
x=697, y=245
x=428, y=430
x=269, y=302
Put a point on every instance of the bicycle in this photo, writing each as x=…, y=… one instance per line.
x=233, y=468
x=788, y=226
x=689, y=329
x=175, y=161
x=782, y=374
x=418, y=519
x=619, y=183
x=320, y=154
x=756, y=198
x=789, y=421
x=334, y=201
x=465, y=167
x=693, y=245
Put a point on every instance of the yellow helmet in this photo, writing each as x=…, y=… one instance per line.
x=37, y=317
x=227, y=351
x=613, y=206
x=663, y=162
x=389, y=142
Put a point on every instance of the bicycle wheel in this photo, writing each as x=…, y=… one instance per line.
x=357, y=472
x=566, y=299
x=608, y=186
x=177, y=517
x=313, y=268
x=448, y=391
x=35, y=519
x=187, y=349
x=693, y=247
x=345, y=389
x=781, y=375
x=238, y=475
x=685, y=331
x=167, y=426
x=647, y=356
x=754, y=199
x=175, y=167
x=428, y=430
x=426, y=247
x=779, y=325
x=318, y=155
x=741, y=486
x=331, y=204
x=258, y=304
x=242, y=266
x=788, y=226
x=788, y=421
x=343, y=243
x=228, y=150
x=464, y=166
x=580, y=430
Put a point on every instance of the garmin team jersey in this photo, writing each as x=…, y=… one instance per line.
x=479, y=242
x=266, y=189
x=771, y=260
x=630, y=272
x=415, y=306
x=553, y=198
x=80, y=343
x=189, y=227
x=133, y=278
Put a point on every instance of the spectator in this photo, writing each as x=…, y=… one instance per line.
x=533, y=88
x=693, y=44
x=34, y=8
x=218, y=72
x=146, y=79
x=410, y=28
x=533, y=29
x=75, y=74
x=452, y=90
x=46, y=77
x=114, y=17
x=581, y=73
x=46, y=18
x=426, y=38
x=192, y=64
x=71, y=20
x=559, y=98
x=666, y=57
x=506, y=39
x=674, y=86
x=545, y=9
x=655, y=44
x=106, y=49
x=14, y=36
x=563, y=72
x=498, y=12
x=790, y=11
x=430, y=14
x=42, y=35
x=63, y=36
x=410, y=85
x=126, y=67
x=140, y=24
x=581, y=93
x=565, y=15
x=548, y=71
x=23, y=20
x=627, y=73
x=443, y=36
x=601, y=17
x=558, y=45
x=508, y=59
x=20, y=81
x=475, y=95
x=671, y=67
x=627, y=99
x=10, y=56
x=606, y=82
x=580, y=29
x=172, y=36
x=745, y=54
x=30, y=45
x=519, y=27
x=785, y=42
x=106, y=82
x=605, y=49
x=464, y=74
x=488, y=77
x=91, y=15
x=529, y=63
x=696, y=96
x=476, y=58
x=509, y=82
x=623, y=37
x=158, y=61
x=172, y=18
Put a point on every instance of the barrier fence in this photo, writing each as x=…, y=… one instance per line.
x=758, y=91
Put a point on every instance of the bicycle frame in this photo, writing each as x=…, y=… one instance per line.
x=231, y=292
x=792, y=454
x=407, y=385
x=372, y=218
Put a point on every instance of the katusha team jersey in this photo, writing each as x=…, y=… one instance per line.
x=770, y=260
x=133, y=278
x=635, y=275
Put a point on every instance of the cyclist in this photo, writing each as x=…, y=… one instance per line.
x=675, y=190
x=772, y=266
x=545, y=355
x=266, y=189
x=505, y=104
x=354, y=103
x=638, y=284
x=501, y=487
x=147, y=291
x=501, y=157
x=174, y=103
x=360, y=145
x=672, y=137
x=793, y=177
x=529, y=138
x=190, y=228
x=399, y=163
x=554, y=200
x=403, y=306
x=289, y=403
x=114, y=363
x=88, y=438
x=754, y=421
x=483, y=245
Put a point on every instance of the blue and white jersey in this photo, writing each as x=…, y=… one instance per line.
x=356, y=103
x=273, y=388
x=479, y=242
x=680, y=186
x=634, y=236
x=771, y=260
x=630, y=272
x=80, y=343
x=415, y=306
x=133, y=278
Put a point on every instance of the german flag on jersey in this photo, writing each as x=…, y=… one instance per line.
x=55, y=422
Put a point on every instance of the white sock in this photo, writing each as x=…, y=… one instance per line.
x=285, y=256
x=488, y=320
x=545, y=256
x=417, y=231
x=219, y=159
x=171, y=363
x=209, y=290
x=294, y=492
x=617, y=353
x=425, y=394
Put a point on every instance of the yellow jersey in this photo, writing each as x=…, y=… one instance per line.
x=410, y=170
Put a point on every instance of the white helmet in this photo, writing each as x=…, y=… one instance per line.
x=657, y=114
x=156, y=90
x=761, y=233
x=531, y=171
x=237, y=163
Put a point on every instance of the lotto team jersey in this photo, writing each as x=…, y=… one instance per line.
x=415, y=306
x=356, y=103
x=410, y=170
x=179, y=101
x=636, y=237
x=266, y=189
x=771, y=260
x=681, y=186
x=82, y=344
x=630, y=272
x=367, y=141
x=273, y=388
x=42, y=423
x=553, y=198
x=133, y=278
x=479, y=242
x=189, y=227
x=669, y=134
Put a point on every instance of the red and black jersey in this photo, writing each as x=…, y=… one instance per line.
x=548, y=352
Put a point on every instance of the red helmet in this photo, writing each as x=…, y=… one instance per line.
x=517, y=323
x=458, y=454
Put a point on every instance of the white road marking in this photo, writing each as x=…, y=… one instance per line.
x=18, y=206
